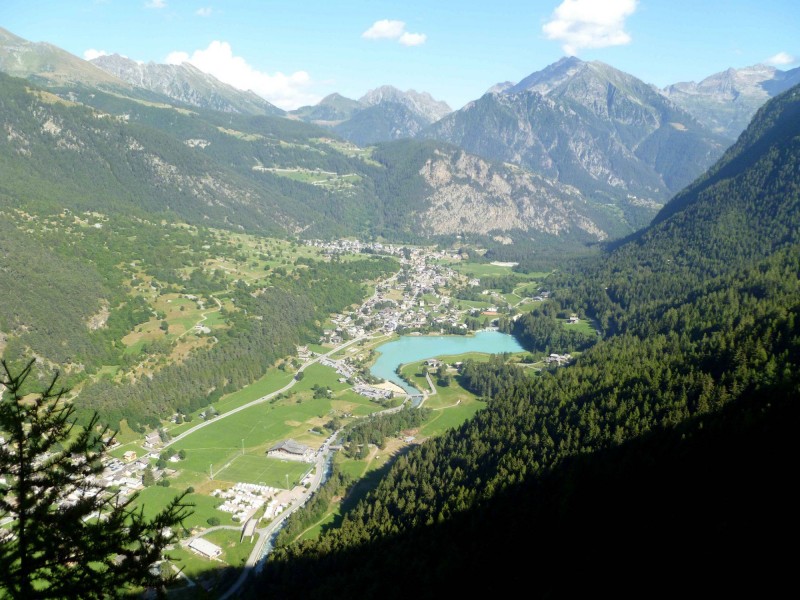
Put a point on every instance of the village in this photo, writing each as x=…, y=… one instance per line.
x=419, y=299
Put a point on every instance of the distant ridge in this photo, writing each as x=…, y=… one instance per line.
x=726, y=101
x=188, y=84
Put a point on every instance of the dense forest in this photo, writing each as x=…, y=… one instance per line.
x=269, y=323
x=659, y=431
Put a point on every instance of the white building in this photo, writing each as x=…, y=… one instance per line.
x=205, y=548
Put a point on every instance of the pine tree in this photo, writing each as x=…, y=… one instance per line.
x=67, y=537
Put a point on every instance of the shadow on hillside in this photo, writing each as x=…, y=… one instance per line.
x=695, y=509
x=362, y=487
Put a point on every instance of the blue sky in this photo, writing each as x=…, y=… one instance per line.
x=296, y=52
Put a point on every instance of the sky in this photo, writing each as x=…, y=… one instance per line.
x=293, y=53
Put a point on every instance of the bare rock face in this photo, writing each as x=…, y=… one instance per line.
x=472, y=195
x=587, y=125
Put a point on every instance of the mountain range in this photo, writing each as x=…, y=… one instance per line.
x=591, y=126
x=574, y=153
x=380, y=115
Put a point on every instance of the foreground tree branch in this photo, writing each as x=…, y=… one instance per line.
x=67, y=536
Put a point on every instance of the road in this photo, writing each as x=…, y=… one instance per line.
x=265, y=533
x=288, y=386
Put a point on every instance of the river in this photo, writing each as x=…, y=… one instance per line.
x=411, y=348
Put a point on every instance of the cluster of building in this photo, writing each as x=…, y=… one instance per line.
x=421, y=276
x=340, y=366
x=558, y=359
x=244, y=499
x=274, y=508
x=372, y=392
x=124, y=474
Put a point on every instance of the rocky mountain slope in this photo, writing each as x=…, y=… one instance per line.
x=591, y=126
x=186, y=83
x=473, y=195
x=725, y=102
x=381, y=122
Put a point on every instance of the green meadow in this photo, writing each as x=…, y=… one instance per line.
x=251, y=468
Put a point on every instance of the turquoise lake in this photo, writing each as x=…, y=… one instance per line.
x=411, y=348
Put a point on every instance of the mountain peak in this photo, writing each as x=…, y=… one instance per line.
x=551, y=76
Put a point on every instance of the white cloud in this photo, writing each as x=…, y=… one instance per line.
x=781, y=59
x=204, y=12
x=91, y=53
x=412, y=39
x=155, y=4
x=590, y=24
x=285, y=91
x=386, y=29
x=177, y=58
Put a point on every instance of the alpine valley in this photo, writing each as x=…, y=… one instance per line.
x=213, y=276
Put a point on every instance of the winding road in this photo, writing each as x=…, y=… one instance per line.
x=262, y=399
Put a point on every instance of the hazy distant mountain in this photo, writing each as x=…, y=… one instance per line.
x=589, y=125
x=382, y=122
x=49, y=65
x=331, y=110
x=380, y=115
x=188, y=84
x=725, y=102
x=420, y=103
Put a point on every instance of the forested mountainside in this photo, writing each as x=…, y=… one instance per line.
x=669, y=435
x=114, y=155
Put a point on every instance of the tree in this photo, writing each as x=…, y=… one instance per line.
x=148, y=478
x=50, y=467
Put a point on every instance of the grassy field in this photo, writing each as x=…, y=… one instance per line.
x=584, y=326
x=474, y=269
x=252, y=468
x=527, y=307
x=191, y=563
x=257, y=428
x=273, y=380
x=452, y=404
x=473, y=304
x=233, y=552
x=326, y=179
x=155, y=498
